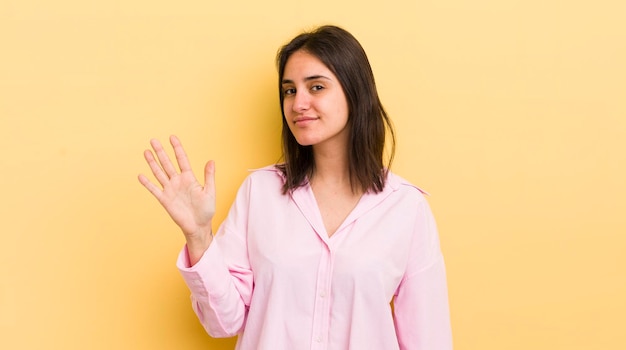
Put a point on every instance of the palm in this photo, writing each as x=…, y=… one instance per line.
x=187, y=202
x=190, y=204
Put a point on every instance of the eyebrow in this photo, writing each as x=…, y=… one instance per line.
x=309, y=78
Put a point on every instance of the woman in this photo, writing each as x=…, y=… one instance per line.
x=313, y=250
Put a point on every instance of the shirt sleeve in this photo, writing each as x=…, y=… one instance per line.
x=221, y=281
x=421, y=311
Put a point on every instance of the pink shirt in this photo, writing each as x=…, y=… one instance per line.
x=273, y=277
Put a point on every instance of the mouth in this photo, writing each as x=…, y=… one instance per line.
x=303, y=120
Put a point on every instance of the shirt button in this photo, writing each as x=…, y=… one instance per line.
x=319, y=339
x=322, y=295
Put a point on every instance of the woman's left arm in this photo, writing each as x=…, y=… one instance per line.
x=421, y=311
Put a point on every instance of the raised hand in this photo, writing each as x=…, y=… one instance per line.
x=190, y=204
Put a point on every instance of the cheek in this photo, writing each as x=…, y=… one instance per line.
x=286, y=124
x=341, y=108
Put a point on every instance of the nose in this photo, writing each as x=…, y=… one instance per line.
x=301, y=101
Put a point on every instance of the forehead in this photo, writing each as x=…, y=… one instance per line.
x=302, y=64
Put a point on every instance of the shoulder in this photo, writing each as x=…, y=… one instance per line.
x=404, y=192
x=397, y=183
x=269, y=176
x=262, y=182
x=266, y=171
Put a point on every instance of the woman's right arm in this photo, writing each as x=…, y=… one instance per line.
x=216, y=270
x=221, y=282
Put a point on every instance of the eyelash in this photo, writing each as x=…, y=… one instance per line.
x=292, y=91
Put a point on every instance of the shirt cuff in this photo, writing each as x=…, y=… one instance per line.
x=208, y=276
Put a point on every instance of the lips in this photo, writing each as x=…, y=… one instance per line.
x=303, y=120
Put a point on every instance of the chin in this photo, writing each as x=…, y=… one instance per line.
x=305, y=144
x=306, y=141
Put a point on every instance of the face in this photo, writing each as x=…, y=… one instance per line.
x=315, y=105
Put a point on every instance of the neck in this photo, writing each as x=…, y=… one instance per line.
x=331, y=168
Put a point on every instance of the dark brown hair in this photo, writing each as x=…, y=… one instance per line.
x=367, y=119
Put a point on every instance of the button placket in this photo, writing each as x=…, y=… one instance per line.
x=322, y=304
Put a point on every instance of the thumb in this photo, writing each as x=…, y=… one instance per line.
x=209, y=177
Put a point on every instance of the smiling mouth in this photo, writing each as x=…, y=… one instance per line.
x=303, y=120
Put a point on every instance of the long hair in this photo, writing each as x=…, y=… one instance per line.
x=367, y=120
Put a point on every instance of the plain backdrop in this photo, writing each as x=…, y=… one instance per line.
x=512, y=114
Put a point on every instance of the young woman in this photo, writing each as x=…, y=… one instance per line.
x=315, y=249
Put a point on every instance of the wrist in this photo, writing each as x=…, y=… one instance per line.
x=197, y=245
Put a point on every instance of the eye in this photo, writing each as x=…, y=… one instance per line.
x=317, y=87
x=289, y=91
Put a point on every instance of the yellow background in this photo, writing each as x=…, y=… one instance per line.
x=512, y=114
